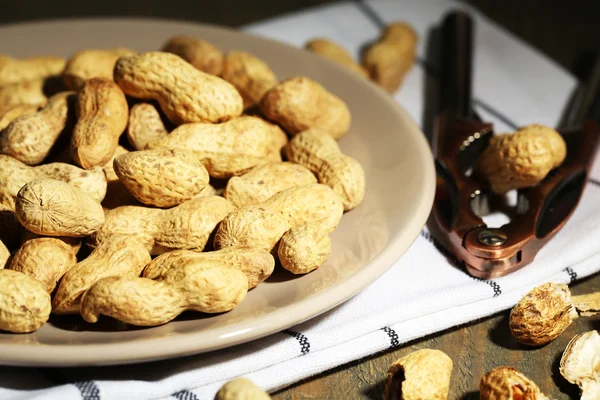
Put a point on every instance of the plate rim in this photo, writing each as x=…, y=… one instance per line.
x=168, y=347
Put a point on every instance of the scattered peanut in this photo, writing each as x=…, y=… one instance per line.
x=15, y=112
x=334, y=52
x=392, y=57
x=506, y=383
x=300, y=103
x=145, y=126
x=209, y=288
x=54, y=208
x=304, y=248
x=422, y=374
x=241, y=389
x=580, y=364
x=29, y=138
x=321, y=154
x=30, y=93
x=4, y=254
x=264, y=181
x=227, y=149
x=522, y=159
x=102, y=114
x=161, y=178
x=24, y=304
x=15, y=71
x=46, y=259
x=264, y=224
x=256, y=263
x=184, y=93
x=116, y=256
x=187, y=226
x=250, y=75
x=92, y=63
x=109, y=167
x=547, y=311
x=201, y=54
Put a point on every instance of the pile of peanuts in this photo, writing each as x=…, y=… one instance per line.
x=140, y=185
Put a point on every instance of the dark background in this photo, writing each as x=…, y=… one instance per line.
x=561, y=29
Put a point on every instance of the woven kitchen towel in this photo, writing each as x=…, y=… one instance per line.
x=423, y=292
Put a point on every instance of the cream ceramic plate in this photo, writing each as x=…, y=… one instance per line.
x=386, y=141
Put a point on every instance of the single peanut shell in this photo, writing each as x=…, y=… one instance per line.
x=186, y=226
x=145, y=126
x=24, y=304
x=580, y=364
x=300, y=103
x=321, y=154
x=241, y=388
x=256, y=263
x=92, y=63
x=116, y=256
x=506, y=383
x=201, y=54
x=264, y=181
x=29, y=138
x=227, y=149
x=262, y=225
x=161, y=178
x=250, y=75
x=54, y=208
x=304, y=248
x=184, y=93
x=102, y=114
x=519, y=160
x=109, y=168
x=29, y=93
x=392, y=57
x=422, y=374
x=557, y=143
x=46, y=259
x=334, y=52
x=15, y=71
x=15, y=112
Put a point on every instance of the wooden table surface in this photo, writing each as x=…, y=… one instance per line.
x=561, y=30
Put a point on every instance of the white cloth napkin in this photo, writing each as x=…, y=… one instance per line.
x=422, y=293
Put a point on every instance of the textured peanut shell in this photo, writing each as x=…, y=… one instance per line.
x=542, y=314
x=109, y=167
x=14, y=71
x=334, y=52
x=187, y=226
x=304, y=248
x=580, y=364
x=46, y=259
x=201, y=54
x=241, y=388
x=4, y=254
x=161, y=178
x=116, y=256
x=145, y=126
x=264, y=181
x=145, y=302
x=522, y=159
x=54, y=208
x=250, y=75
x=300, y=103
x=184, y=93
x=227, y=149
x=321, y=154
x=92, y=63
x=264, y=224
x=102, y=114
x=24, y=304
x=426, y=374
x=256, y=263
x=30, y=92
x=506, y=383
x=29, y=138
x=15, y=112
x=391, y=58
